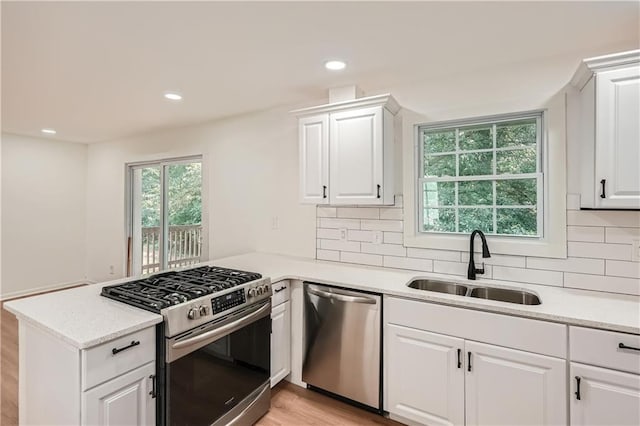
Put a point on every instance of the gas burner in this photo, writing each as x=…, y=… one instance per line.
x=171, y=288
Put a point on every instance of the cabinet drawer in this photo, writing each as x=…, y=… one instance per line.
x=503, y=330
x=281, y=293
x=100, y=364
x=602, y=348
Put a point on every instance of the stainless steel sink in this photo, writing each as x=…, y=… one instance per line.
x=505, y=295
x=439, y=286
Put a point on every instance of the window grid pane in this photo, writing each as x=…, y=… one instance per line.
x=513, y=156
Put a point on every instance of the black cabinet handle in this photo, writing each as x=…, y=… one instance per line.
x=602, y=194
x=378, y=191
x=623, y=346
x=132, y=344
x=324, y=191
x=577, y=392
x=278, y=290
x=459, y=359
x=153, y=386
x=469, y=361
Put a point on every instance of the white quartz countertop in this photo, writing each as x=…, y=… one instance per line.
x=570, y=306
x=80, y=316
x=84, y=319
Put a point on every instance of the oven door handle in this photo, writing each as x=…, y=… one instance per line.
x=224, y=330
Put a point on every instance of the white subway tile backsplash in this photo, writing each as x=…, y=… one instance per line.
x=603, y=218
x=531, y=276
x=328, y=222
x=497, y=259
x=599, y=245
x=572, y=264
x=391, y=213
x=364, y=236
x=448, y=255
x=393, y=238
x=458, y=268
x=384, y=249
x=340, y=245
x=382, y=225
x=328, y=234
x=408, y=263
x=358, y=213
x=599, y=250
x=361, y=258
x=602, y=283
x=328, y=255
x=594, y=234
x=622, y=235
x=325, y=211
x=619, y=268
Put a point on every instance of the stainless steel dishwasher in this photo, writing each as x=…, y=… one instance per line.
x=343, y=347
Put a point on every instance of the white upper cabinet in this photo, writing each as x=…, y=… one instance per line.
x=346, y=152
x=314, y=159
x=609, y=136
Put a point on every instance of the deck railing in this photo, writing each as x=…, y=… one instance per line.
x=184, y=247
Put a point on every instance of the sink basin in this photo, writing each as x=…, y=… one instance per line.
x=439, y=286
x=505, y=295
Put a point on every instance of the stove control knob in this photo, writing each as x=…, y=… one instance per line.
x=266, y=289
x=252, y=292
x=192, y=314
x=204, y=310
x=259, y=289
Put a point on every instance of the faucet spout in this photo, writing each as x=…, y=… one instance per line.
x=471, y=270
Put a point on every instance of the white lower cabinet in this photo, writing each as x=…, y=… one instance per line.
x=443, y=377
x=601, y=396
x=125, y=400
x=280, y=333
x=425, y=381
x=510, y=387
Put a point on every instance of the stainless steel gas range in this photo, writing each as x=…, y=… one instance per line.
x=213, y=348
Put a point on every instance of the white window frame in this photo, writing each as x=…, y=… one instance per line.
x=538, y=116
x=553, y=240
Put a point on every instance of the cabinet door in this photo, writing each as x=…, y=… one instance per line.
x=314, y=159
x=356, y=155
x=124, y=400
x=618, y=138
x=510, y=387
x=280, y=342
x=425, y=381
x=607, y=397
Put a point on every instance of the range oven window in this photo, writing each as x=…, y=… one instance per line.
x=205, y=384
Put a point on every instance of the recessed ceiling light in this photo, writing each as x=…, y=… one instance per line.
x=173, y=96
x=48, y=131
x=335, y=65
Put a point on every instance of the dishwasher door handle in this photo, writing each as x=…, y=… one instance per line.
x=341, y=297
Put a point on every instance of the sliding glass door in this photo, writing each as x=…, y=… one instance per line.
x=165, y=215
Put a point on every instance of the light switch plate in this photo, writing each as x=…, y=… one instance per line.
x=343, y=234
x=635, y=255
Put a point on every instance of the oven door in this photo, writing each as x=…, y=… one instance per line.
x=219, y=373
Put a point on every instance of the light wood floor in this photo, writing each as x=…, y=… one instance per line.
x=290, y=404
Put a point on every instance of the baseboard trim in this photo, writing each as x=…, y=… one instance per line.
x=40, y=290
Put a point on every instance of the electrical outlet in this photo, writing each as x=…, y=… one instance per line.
x=275, y=223
x=377, y=237
x=111, y=270
x=636, y=250
x=343, y=234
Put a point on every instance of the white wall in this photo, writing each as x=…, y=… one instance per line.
x=43, y=214
x=250, y=173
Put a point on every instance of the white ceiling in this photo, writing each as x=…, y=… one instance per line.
x=97, y=71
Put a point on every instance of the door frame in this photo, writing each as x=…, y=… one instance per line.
x=129, y=260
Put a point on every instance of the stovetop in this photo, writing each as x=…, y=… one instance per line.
x=167, y=289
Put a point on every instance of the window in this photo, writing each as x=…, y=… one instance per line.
x=483, y=175
x=165, y=215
